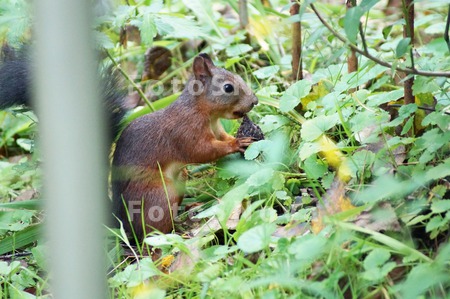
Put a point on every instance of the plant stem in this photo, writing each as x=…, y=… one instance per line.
x=352, y=60
x=297, y=69
x=408, y=31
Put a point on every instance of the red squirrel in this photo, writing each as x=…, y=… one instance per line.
x=147, y=183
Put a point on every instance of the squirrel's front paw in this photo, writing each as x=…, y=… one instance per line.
x=244, y=142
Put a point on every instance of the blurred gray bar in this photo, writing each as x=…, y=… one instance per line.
x=72, y=144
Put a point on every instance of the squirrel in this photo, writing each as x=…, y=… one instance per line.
x=151, y=152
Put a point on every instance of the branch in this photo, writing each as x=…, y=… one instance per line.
x=373, y=58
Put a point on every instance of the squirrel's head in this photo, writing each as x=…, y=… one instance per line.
x=225, y=93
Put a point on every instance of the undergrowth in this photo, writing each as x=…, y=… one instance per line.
x=348, y=195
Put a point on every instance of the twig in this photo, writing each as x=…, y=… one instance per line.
x=363, y=38
x=373, y=58
x=418, y=107
x=135, y=86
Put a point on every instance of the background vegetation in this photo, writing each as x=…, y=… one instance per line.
x=348, y=195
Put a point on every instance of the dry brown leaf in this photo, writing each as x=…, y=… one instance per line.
x=334, y=202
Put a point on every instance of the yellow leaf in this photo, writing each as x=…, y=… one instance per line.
x=344, y=204
x=167, y=261
x=318, y=91
x=147, y=290
x=334, y=157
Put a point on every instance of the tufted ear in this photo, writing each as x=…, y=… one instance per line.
x=202, y=67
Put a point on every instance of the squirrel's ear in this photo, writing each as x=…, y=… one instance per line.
x=208, y=60
x=202, y=66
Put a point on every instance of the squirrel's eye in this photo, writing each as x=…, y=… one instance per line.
x=228, y=88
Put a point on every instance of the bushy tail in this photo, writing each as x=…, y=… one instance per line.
x=14, y=78
x=15, y=87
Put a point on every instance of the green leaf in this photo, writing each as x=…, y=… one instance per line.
x=232, y=61
x=178, y=27
x=266, y=72
x=307, y=149
x=376, y=258
x=204, y=13
x=210, y=273
x=404, y=112
x=230, y=201
x=148, y=29
x=155, y=6
x=257, y=148
x=314, y=128
x=361, y=161
x=384, y=97
x=375, y=265
x=282, y=195
x=435, y=223
x=440, y=206
x=33, y=204
x=366, y=5
x=261, y=177
x=271, y=123
x=267, y=91
x=257, y=238
x=314, y=167
x=436, y=118
x=20, y=239
x=351, y=23
x=292, y=96
x=402, y=47
x=237, y=50
x=386, y=31
x=8, y=269
x=424, y=85
x=386, y=187
x=408, y=125
x=40, y=255
x=308, y=247
x=420, y=279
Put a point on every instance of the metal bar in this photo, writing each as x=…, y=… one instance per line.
x=72, y=144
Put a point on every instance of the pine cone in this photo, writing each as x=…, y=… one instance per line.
x=249, y=129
